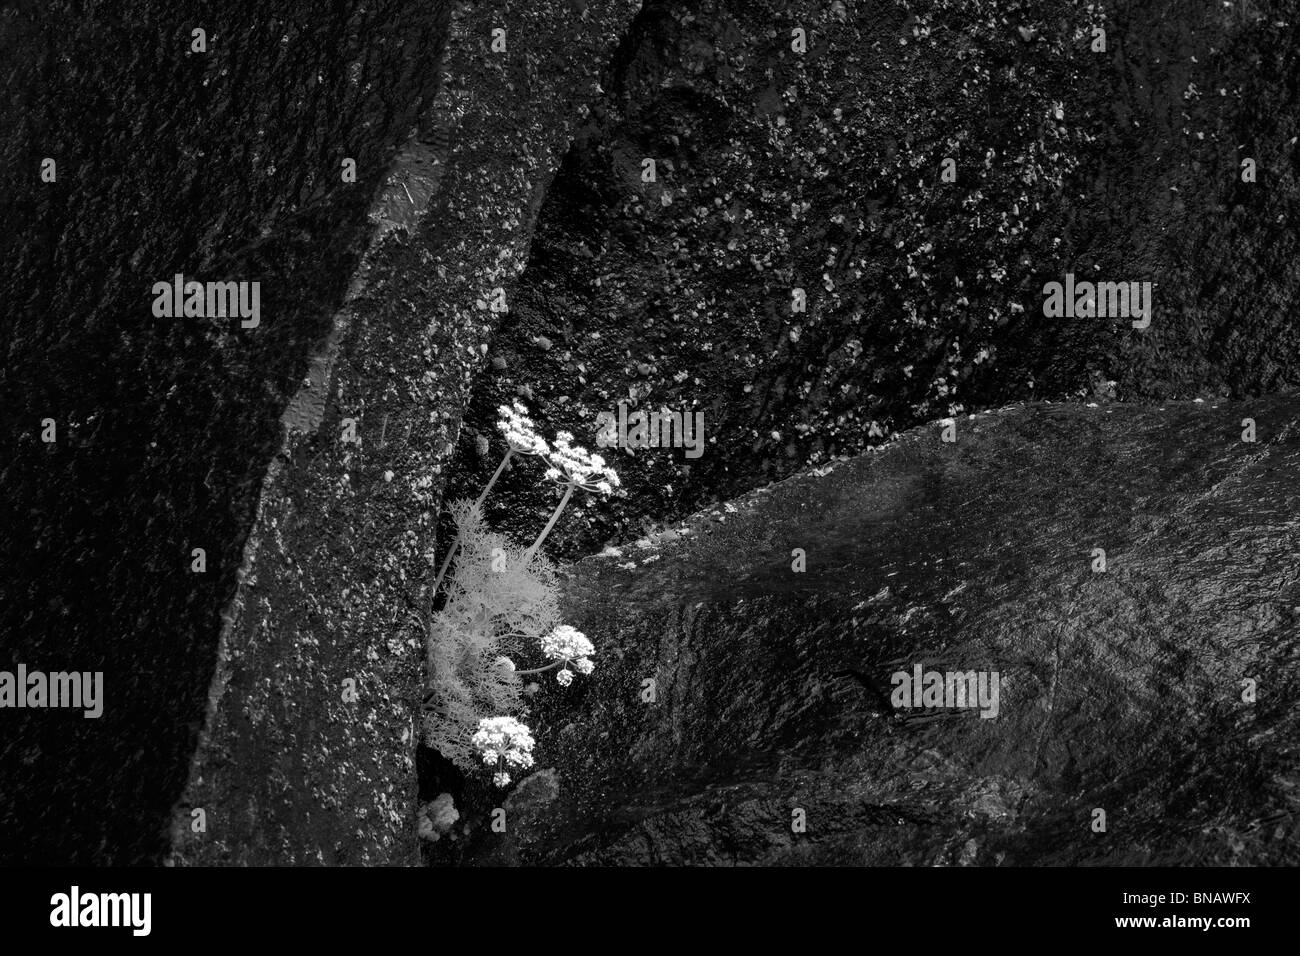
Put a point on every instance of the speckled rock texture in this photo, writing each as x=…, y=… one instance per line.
x=500, y=242
x=223, y=165
x=293, y=769
x=823, y=171
x=1121, y=690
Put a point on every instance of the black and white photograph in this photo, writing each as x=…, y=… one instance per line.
x=627, y=437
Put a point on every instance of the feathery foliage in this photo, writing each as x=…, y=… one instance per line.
x=500, y=601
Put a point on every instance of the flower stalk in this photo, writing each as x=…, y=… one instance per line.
x=455, y=544
x=555, y=516
x=458, y=658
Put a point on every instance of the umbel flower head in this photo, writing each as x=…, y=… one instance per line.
x=520, y=432
x=570, y=645
x=503, y=740
x=575, y=465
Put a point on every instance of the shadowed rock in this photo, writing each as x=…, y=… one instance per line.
x=1120, y=691
x=294, y=768
x=822, y=171
x=220, y=165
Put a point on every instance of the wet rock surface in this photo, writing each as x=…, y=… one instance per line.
x=1121, y=690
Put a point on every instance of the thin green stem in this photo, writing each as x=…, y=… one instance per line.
x=555, y=516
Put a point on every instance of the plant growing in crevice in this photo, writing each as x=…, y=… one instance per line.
x=502, y=601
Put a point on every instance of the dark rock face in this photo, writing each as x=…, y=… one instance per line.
x=309, y=753
x=823, y=170
x=224, y=165
x=774, y=169
x=1120, y=691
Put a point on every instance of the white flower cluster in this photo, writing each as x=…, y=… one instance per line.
x=575, y=464
x=505, y=739
x=570, y=645
x=520, y=432
x=569, y=462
